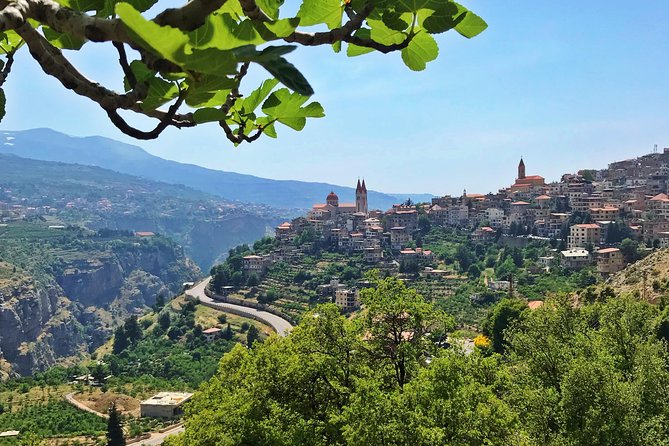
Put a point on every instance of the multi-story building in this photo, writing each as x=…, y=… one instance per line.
x=575, y=258
x=610, y=260
x=583, y=235
x=399, y=237
x=346, y=299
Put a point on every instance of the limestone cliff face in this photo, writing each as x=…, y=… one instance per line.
x=50, y=321
x=36, y=326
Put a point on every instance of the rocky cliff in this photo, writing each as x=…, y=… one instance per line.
x=72, y=309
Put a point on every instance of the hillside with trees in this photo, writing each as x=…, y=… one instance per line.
x=591, y=374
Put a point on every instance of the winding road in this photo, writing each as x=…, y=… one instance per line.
x=279, y=324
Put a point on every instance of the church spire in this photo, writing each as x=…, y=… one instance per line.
x=521, y=169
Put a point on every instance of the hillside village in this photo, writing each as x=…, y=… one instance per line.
x=593, y=218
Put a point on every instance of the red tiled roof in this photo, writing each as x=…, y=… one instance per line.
x=211, y=330
x=520, y=203
x=660, y=197
x=588, y=226
x=144, y=234
x=543, y=197
x=608, y=250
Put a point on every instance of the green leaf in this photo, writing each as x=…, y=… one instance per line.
x=10, y=40
x=441, y=19
x=142, y=5
x=141, y=71
x=270, y=7
x=3, y=103
x=471, y=25
x=252, y=101
x=286, y=73
x=270, y=130
x=211, y=61
x=62, y=40
x=397, y=21
x=160, y=92
x=422, y=49
x=281, y=28
x=209, y=91
x=315, y=12
x=382, y=34
x=413, y=5
x=208, y=115
x=166, y=41
x=287, y=108
x=355, y=50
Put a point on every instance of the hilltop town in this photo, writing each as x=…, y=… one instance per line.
x=593, y=218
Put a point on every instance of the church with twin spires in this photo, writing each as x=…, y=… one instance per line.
x=332, y=208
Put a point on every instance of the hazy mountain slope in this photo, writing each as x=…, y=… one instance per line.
x=205, y=225
x=49, y=145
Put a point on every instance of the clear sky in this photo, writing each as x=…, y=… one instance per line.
x=567, y=85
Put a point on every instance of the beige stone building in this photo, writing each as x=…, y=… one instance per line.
x=610, y=260
x=346, y=299
x=583, y=235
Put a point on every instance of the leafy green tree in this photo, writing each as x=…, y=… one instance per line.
x=133, y=331
x=160, y=303
x=397, y=321
x=227, y=333
x=115, y=435
x=164, y=320
x=506, y=313
x=120, y=342
x=252, y=336
x=630, y=250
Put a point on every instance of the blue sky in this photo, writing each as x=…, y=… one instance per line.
x=567, y=85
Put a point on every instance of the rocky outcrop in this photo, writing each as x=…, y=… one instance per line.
x=65, y=316
x=37, y=326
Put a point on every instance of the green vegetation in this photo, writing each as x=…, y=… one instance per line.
x=198, y=57
x=55, y=418
x=594, y=374
x=170, y=352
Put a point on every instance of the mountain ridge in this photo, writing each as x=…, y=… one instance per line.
x=50, y=145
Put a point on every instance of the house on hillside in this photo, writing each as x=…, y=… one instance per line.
x=164, y=405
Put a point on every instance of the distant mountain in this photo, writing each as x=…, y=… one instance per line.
x=205, y=225
x=49, y=145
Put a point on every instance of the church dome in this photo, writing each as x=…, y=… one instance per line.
x=332, y=199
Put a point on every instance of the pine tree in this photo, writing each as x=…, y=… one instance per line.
x=252, y=335
x=227, y=334
x=114, y=428
x=120, y=340
x=133, y=330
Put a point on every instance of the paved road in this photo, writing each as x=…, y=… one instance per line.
x=279, y=324
x=159, y=437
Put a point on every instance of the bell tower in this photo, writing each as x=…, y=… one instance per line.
x=361, y=197
x=521, y=169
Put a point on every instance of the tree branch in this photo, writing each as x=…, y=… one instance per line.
x=7, y=68
x=53, y=63
x=166, y=121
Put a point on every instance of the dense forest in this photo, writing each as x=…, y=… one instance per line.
x=568, y=373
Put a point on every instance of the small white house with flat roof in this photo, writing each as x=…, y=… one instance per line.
x=164, y=405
